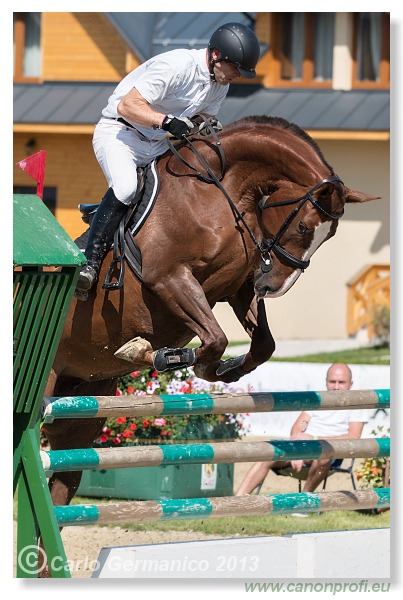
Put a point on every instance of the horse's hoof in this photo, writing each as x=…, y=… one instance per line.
x=200, y=370
x=232, y=369
x=134, y=349
x=81, y=294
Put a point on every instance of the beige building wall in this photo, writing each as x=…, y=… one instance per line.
x=316, y=306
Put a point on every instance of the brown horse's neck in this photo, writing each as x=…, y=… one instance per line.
x=263, y=155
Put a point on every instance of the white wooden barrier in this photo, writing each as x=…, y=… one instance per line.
x=347, y=555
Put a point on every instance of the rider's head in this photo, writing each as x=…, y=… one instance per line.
x=235, y=44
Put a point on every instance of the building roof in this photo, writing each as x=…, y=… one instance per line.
x=148, y=34
x=75, y=103
x=356, y=110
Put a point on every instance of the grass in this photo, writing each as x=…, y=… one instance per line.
x=376, y=355
x=367, y=355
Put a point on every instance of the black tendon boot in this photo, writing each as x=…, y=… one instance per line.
x=103, y=227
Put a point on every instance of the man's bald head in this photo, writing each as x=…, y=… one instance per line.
x=339, y=377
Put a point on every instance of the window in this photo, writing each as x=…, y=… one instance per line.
x=27, y=47
x=371, y=50
x=302, y=49
x=49, y=195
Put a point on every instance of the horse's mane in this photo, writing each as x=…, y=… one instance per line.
x=281, y=124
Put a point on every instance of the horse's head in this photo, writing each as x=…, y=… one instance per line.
x=294, y=225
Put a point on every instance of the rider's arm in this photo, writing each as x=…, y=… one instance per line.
x=134, y=108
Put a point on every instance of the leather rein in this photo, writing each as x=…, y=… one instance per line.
x=267, y=245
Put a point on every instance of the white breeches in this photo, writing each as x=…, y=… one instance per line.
x=119, y=151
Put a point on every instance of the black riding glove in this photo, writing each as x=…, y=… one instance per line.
x=180, y=127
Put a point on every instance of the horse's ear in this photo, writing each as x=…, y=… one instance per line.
x=354, y=196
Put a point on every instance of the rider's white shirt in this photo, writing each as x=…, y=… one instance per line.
x=176, y=82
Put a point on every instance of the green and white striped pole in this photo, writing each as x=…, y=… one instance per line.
x=234, y=506
x=179, y=454
x=215, y=403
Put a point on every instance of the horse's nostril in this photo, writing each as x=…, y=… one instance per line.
x=262, y=290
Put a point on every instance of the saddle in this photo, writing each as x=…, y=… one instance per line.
x=124, y=246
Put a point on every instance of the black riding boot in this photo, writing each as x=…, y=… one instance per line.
x=102, y=230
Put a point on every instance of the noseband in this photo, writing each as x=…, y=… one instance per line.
x=274, y=243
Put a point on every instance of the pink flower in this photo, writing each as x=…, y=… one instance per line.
x=103, y=438
x=116, y=440
x=160, y=422
x=130, y=389
x=118, y=392
x=135, y=374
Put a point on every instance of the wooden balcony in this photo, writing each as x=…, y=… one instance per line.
x=367, y=290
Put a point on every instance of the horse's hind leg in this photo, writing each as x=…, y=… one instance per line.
x=64, y=434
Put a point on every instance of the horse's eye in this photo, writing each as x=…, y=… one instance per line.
x=302, y=228
x=325, y=194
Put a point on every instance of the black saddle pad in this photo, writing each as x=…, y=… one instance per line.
x=136, y=216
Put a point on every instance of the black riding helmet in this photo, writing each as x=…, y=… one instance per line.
x=237, y=44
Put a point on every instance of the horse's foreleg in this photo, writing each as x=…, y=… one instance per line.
x=184, y=297
x=251, y=313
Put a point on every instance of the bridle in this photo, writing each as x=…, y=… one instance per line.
x=273, y=244
x=266, y=246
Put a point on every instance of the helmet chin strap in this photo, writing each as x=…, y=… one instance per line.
x=211, y=68
x=212, y=62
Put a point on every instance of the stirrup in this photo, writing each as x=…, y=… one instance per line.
x=118, y=259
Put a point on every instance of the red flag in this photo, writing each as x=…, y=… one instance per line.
x=34, y=166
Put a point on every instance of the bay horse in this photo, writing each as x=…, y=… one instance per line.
x=241, y=241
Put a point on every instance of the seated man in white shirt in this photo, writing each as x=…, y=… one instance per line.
x=335, y=424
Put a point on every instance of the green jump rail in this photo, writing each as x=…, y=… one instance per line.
x=232, y=506
x=176, y=454
x=214, y=403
